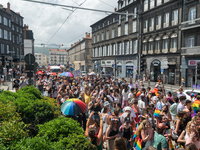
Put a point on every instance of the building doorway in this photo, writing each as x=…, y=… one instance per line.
x=155, y=70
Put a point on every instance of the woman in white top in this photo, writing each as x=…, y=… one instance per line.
x=190, y=128
x=117, y=97
x=125, y=93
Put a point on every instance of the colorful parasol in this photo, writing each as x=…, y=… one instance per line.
x=92, y=73
x=39, y=73
x=67, y=74
x=73, y=107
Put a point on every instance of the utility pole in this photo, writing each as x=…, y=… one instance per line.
x=20, y=61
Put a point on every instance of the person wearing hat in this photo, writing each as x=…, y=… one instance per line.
x=160, y=142
x=193, y=97
x=126, y=132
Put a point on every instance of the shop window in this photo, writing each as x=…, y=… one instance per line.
x=119, y=71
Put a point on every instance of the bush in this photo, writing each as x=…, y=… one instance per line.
x=12, y=129
x=30, y=90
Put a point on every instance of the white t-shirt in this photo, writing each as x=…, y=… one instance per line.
x=154, y=98
x=130, y=95
x=179, y=95
x=180, y=107
x=141, y=106
x=125, y=94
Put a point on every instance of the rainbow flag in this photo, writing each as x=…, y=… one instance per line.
x=138, y=143
x=196, y=105
x=156, y=112
x=168, y=131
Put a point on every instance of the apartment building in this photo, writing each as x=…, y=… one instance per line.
x=115, y=41
x=190, y=51
x=79, y=54
x=28, y=40
x=58, y=57
x=41, y=59
x=161, y=39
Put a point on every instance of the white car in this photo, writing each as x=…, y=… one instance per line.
x=188, y=92
x=84, y=73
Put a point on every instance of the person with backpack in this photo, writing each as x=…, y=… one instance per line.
x=127, y=133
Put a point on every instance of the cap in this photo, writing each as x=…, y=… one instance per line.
x=127, y=119
x=127, y=108
x=162, y=126
x=106, y=103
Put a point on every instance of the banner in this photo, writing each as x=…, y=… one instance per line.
x=76, y=73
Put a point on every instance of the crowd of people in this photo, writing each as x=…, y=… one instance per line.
x=123, y=115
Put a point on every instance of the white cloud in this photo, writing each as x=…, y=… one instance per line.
x=44, y=20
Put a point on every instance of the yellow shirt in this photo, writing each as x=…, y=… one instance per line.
x=87, y=99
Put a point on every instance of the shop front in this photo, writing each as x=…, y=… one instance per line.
x=107, y=67
x=129, y=69
x=155, y=70
x=119, y=69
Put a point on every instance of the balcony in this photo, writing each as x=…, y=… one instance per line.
x=164, y=50
x=150, y=51
x=190, y=50
x=151, y=29
x=158, y=27
x=165, y=25
x=144, y=52
x=174, y=22
x=173, y=50
x=190, y=24
x=157, y=51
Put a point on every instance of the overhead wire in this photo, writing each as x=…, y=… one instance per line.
x=106, y=4
x=65, y=21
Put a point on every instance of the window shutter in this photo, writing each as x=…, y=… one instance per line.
x=131, y=50
x=127, y=52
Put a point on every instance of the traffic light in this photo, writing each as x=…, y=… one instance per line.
x=142, y=63
x=198, y=68
x=3, y=60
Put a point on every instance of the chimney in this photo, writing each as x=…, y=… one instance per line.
x=79, y=40
x=71, y=45
x=89, y=34
x=8, y=7
x=86, y=34
x=82, y=38
x=1, y=6
x=115, y=9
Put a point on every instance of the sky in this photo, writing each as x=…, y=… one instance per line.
x=44, y=20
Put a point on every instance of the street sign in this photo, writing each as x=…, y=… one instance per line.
x=29, y=67
x=113, y=65
x=29, y=58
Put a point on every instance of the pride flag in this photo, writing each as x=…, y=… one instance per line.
x=138, y=143
x=196, y=105
x=138, y=94
x=170, y=144
x=156, y=112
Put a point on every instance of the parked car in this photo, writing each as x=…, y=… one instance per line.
x=84, y=73
x=188, y=92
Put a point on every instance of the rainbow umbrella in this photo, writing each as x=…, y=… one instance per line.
x=67, y=74
x=92, y=73
x=39, y=73
x=73, y=107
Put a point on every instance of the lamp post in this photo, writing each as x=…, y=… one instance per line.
x=11, y=52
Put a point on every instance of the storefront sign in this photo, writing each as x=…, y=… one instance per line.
x=193, y=62
x=107, y=63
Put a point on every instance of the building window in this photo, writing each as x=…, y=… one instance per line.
x=2, y=48
x=102, y=36
x=151, y=46
x=144, y=47
x=126, y=29
x=113, y=20
x=98, y=26
x=107, y=35
x=165, y=44
x=10, y=36
x=152, y=4
x=126, y=17
x=1, y=33
x=175, y=17
x=5, y=34
x=134, y=26
x=135, y=12
x=159, y=2
x=97, y=37
x=157, y=45
x=119, y=31
x=126, y=48
x=119, y=21
x=190, y=42
x=0, y=19
x=119, y=48
x=8, y=49
x=13, y=27
x=9, y=23
x=145, y=26
x=135, y=46
x=152, y=24
x=103, y=25
x=192, y=13
x=108, y=22
x=113, y=33
x=145, y=5
x=166, y=20
x=5, y=21
x=158, y=21
x=174, y=43
x=94, y=40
